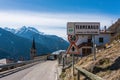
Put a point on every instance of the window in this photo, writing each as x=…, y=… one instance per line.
x=83, y=26
x=86, y=51
x=97, y=27
x=89, y=27
x=101, y=40
x=76, y=26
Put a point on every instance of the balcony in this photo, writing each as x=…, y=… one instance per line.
x=90, y=44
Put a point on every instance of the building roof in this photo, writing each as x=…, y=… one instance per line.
x=105, y=32
x=58, y=52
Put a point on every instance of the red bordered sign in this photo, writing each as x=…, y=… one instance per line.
x=73, y=49
x=72, y=38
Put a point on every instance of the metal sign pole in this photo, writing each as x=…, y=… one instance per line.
x=73, y=49
x=73, y=63
x=94, y=48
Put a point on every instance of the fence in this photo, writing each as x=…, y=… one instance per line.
x=89, y=75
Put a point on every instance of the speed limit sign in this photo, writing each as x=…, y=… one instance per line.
x=72, y=38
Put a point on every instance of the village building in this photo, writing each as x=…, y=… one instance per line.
x=5, y=61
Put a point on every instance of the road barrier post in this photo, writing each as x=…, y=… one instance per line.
x=78, y=76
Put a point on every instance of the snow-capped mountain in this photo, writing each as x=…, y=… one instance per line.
x=52, y=42
x=13, y=46
x=22, y=30
x=25, y=29
x=18, y=42
x=10, y=29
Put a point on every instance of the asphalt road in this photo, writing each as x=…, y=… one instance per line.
x=42, y=71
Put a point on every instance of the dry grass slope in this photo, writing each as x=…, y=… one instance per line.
x=106, y=66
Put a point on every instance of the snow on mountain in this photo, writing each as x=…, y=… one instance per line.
x=25, y=29
x=10, y=29
x=44, y=43
x=13, y=46
x=22, y=30
x=52, y=42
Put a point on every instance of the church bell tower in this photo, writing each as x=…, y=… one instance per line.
x=33, y=50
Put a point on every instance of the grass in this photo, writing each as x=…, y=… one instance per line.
x=62, y=76
x=101, y=67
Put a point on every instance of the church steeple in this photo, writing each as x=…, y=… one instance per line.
x=33, y=50
x=33, y=44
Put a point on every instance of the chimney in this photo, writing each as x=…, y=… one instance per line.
x=105, y=28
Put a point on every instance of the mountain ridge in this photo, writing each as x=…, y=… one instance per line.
x=19, y=43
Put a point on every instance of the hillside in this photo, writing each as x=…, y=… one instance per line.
x=115, y=28
x=107, y=63
x=106, y=66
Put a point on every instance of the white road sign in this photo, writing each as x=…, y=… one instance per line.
x=83, y=28
x=70, y=29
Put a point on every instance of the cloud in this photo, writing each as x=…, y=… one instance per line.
x=48, y=22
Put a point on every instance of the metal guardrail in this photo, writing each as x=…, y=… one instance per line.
x=11, y=71
x=19, y=66
x=87, y=74
x=21, y=63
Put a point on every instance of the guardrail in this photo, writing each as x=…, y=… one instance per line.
x=11, y=71
x=18, y=64
x=87, y=74
x=14, y=67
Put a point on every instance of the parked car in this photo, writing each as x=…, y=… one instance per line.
x=51, y=57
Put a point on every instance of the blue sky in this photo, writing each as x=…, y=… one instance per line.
x=72, y=6
x=51, y=16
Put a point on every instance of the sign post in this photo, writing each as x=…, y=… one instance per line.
x=73, y=49
x=73, y=60
x=84, y=28
x=81, y=28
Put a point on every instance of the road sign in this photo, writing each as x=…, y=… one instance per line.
x=70, y=29
x=72, y=38
x=73, y=49
x=83, y=28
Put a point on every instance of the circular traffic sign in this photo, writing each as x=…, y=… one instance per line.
x=72, y=38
